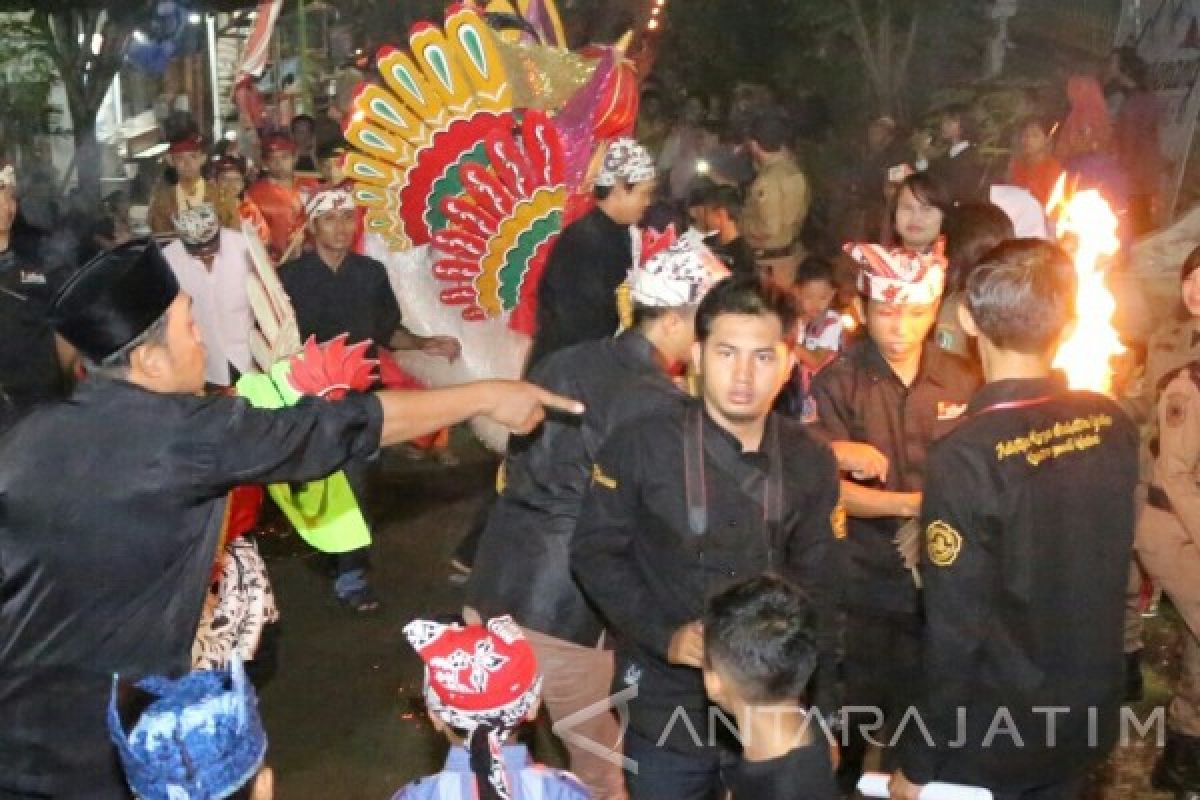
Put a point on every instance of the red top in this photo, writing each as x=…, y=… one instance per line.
x=1039, y=178
x=283, y=209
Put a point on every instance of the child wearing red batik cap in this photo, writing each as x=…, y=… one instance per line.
x=481, y=683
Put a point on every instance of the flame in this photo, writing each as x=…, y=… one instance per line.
x=1057, y=195
x=1086, y=220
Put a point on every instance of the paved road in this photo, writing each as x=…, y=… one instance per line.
x=343, y=710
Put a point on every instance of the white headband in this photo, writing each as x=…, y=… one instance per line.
x=627, y=161
x=327, y=201
x=198, y=225
x=678, y=276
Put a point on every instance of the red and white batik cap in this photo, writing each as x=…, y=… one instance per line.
x=475, y=674
x=899, y=276
x=198, y=225
x=677, y=275
x=327, y=201
x=482, y=681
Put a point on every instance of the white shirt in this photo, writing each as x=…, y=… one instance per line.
x=824, y=333
x=1028, y=217
x=219, y=303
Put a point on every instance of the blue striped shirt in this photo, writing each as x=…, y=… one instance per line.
x=529, y=781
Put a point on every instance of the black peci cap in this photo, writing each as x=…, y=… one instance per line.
x=114, y=298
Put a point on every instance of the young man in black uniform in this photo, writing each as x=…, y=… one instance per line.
x=685, y=503
x=523, y=564
x=334, y=291
x=880, y=406
x=577, y=294
x=722, y=207
x=32, y=358
x=114, y=503
x=577, y=300
x=1027, y=523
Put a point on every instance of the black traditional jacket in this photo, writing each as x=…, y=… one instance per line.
x=522, y=567
x=1028, y=517
x=577, y=299
x=859, y=398
x=652, y=546
x=111, y=507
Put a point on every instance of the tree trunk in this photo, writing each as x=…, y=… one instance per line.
x=900, y=73
x=866, y=51
x=999, y=13
x=89, y=161
x=884, y=55
x=87, y=75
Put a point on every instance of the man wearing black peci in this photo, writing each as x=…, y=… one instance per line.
x=112, y=504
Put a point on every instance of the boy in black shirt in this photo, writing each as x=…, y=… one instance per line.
x=1028, y=514
x=722, y=207
x=759, y=654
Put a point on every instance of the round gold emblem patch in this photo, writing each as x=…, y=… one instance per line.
x=943, y=543
x=837, y=521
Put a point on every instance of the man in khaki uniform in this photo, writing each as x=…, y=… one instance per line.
x=1174, y=345
x=777, y=202
x=1168, y=544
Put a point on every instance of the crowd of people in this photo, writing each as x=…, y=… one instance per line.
x=811, y=493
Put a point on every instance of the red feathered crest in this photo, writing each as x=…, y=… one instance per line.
x=332, y=369
x=654, y=242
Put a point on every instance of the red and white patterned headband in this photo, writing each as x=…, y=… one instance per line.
x=899, y=276
x=328, y=201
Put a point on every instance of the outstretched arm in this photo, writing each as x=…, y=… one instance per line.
x=865, y=502
x=446, y=347
x=517, y=405
x=316, y=437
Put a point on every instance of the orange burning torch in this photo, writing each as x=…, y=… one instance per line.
x=1087, y=227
